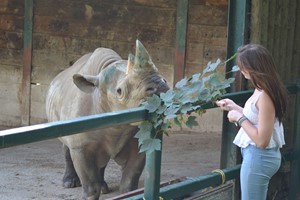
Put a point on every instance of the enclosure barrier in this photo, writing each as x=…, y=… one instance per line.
x=29, y=134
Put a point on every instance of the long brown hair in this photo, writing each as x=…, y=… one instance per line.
x=258, y=61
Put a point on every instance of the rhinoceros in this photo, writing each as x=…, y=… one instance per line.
x=100, y=82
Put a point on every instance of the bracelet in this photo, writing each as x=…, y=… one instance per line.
x=241, y=120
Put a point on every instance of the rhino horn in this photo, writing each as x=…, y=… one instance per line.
x=86, y=83
x=130, y=63
x=142, y=61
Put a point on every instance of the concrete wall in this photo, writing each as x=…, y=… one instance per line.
x=63, y=31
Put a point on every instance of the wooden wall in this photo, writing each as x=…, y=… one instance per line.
x=276, y=24
x=63, y=31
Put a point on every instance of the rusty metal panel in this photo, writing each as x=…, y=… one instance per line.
x=27, y=55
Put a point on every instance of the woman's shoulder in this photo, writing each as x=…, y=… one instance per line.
x=265, y=101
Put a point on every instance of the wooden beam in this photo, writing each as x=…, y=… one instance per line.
x=27, y=60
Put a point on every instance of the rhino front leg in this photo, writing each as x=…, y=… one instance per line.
x=132, y=163
x=89, y=172
x=70, y=179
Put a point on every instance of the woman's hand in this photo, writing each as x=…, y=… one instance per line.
x=235, y=111
x=227, y=104
x=233, y=116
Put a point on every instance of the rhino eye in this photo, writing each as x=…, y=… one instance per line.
x=119, y=91
x=150, y=90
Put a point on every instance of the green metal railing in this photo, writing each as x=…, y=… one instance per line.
x=29, y=134
x=39, y=132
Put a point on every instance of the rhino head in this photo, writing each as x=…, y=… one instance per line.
x=124, y=84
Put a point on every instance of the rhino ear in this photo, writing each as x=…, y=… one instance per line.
x=85, y=83
x=142, y=61
x=130, y=63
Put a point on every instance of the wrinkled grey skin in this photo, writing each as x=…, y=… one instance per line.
x=102, y=82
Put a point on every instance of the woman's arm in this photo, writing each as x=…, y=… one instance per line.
x=266, y=117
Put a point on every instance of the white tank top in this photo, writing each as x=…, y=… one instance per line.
x=250, y=111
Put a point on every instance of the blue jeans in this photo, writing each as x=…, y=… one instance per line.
x=258, y=166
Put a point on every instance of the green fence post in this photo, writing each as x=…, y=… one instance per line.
x=152, y=174
x=180, y=42
x=237, y=35
x=295, y=164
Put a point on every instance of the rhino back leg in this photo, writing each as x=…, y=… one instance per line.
x=104, y=186
x=70, y=179
x=132, y=163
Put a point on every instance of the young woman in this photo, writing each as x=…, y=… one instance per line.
x=261, y=134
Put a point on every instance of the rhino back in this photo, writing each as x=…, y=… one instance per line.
x=64, y=100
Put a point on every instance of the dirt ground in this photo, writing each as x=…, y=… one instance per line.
x=35, y=171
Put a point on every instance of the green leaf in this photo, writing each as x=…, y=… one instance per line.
x=166, y=126
x=144, y=132
x=145, y=126
x=161, y=109
x=177, y=121
x=171, y=112
x=152, y=103
x=215, y=94
x=226, y=83
x=167, y=97
x=230, y=80
x=190, y=97
x=235, y=68
x=181, y=83
x=195, y=78
x=215, y=79
x=191, y=122
x=153, y=117
x=211, y=66
x=151, y=145
x=158, y=123
x=204, y=93
x=186, y=108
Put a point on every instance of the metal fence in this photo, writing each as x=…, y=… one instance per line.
x=29, y=134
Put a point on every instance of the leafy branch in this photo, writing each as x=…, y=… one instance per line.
x=189, y=96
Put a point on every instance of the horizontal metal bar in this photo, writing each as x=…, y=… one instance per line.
x=39, y=132
x=191, y=185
